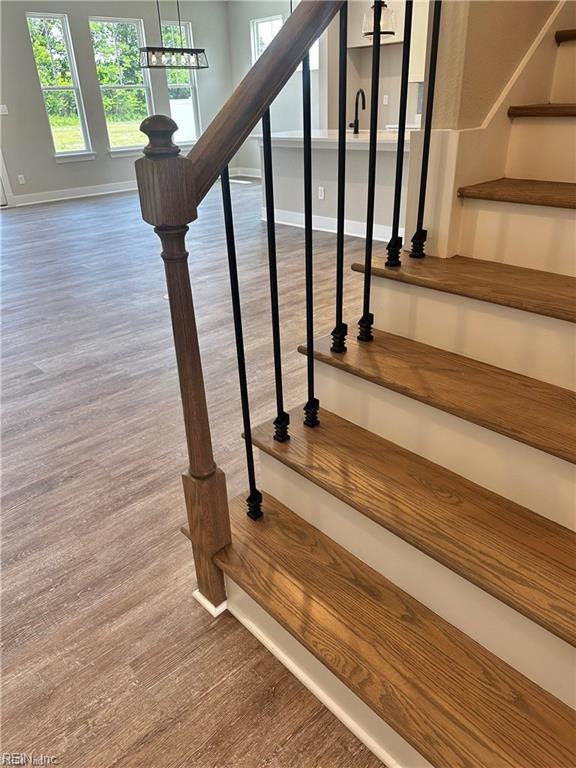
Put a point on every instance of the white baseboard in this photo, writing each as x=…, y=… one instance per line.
x=372, y=731
x=328, y=224
x=52, y=196
x=55, y=195
x=252, y=173
x=213, y=610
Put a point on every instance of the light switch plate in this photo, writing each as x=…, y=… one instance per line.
x=3, y=109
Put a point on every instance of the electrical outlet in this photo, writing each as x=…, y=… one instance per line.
x=321, y=192
x=385, y=99
x=21, y=179
x=3, y=109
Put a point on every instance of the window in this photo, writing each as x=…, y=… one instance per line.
x=59, y=82
x=263, y=31
x=182, y=87
x=124, y=87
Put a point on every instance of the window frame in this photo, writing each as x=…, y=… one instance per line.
x=146, y=85
x=275, y=17
x=192, y=76
x=75, y=87
x=253, y=33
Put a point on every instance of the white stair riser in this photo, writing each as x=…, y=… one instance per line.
x=371, y=730
x=516, y=471
x=542, y=148
x=533, y=236
x=530, y=344
x=564, y=81
x=505, y=632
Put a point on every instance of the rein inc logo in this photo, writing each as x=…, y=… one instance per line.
x=27, y=758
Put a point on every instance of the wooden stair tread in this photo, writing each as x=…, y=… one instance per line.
x=544, y=293
x=555, y=194
x=521, y=558
x=453, y=700
x=543, y=110
x=564, y=35
x=530, y=411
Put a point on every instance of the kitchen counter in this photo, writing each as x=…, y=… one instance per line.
x=328, y=139
x=287, y=162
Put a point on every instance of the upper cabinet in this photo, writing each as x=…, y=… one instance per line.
x=358, y=10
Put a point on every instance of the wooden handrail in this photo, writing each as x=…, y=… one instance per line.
x=233, y=124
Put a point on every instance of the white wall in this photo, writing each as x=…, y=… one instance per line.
x=25, y=133
x=286, y=112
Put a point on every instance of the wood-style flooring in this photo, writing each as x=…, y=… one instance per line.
x=531, y=290
x=465, y=707
x=555, y=194
x=107, y=660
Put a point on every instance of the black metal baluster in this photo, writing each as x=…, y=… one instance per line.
x=254, y=500
x=341, y=329
x=419, y=239
x=367, y=320
x=282, y=419
x=312, y=406
x=394, y=246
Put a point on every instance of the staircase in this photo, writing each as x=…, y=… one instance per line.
x=415, y=563
x=540, y=172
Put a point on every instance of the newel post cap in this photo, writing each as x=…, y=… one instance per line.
x=165, y=179
x=159, y=129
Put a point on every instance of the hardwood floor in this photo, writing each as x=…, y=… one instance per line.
x=464, y=707
x=531, y=290
x=533, y=412
x=107, y=660
x=520, y=557
x=555, y=194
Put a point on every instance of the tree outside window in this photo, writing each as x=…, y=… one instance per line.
x=123, y=85
x=59, y=82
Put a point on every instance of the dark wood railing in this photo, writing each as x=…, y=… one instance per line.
x=172, y=186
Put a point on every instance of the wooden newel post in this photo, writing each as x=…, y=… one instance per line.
x=167, y=199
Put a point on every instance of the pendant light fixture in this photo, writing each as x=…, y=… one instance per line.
x=162, y=57
x=387, y=21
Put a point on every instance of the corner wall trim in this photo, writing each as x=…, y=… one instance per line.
x=328, y=224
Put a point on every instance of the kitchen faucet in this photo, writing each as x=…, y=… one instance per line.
x=356, y=124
